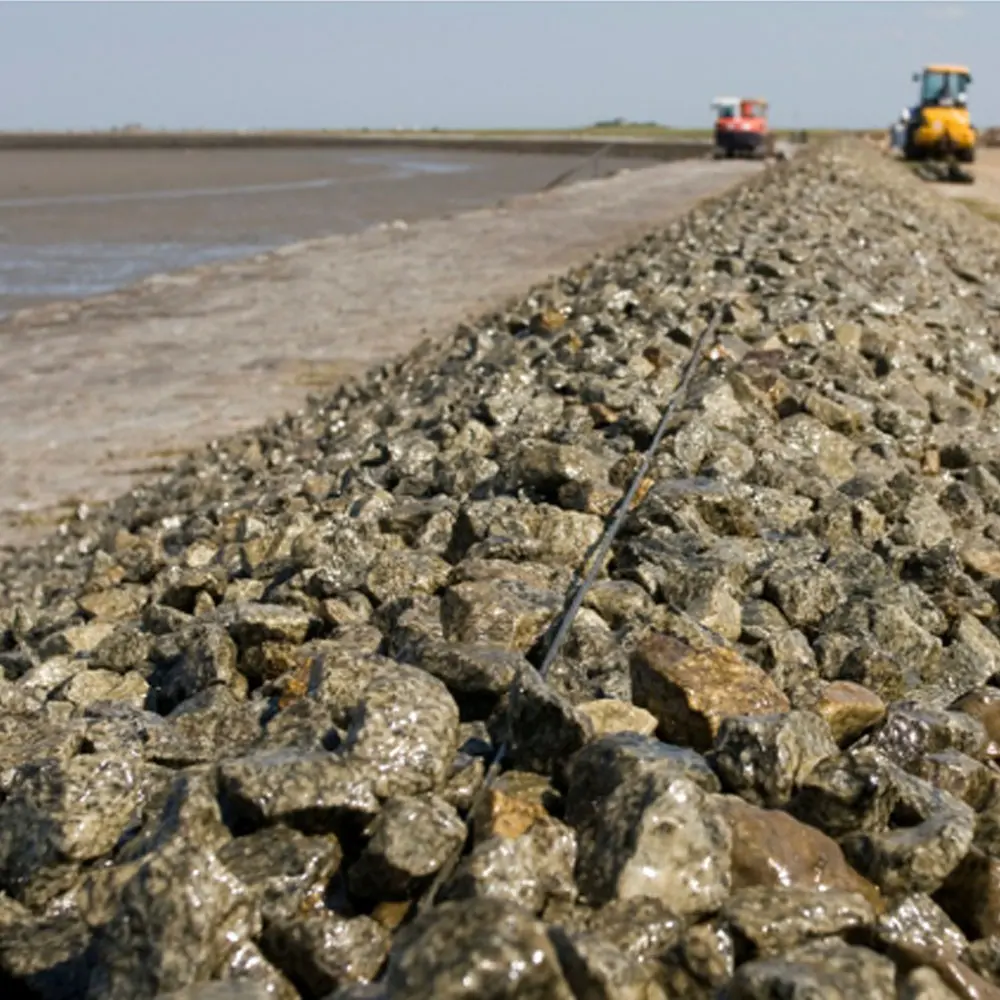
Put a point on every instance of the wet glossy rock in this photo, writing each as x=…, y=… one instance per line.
x=770, y=920
x=206, y=657
x=404, y=733
x=321, y=951
x=47, y=956
x=971, y=894
x=410, y=840
x=849, y=709
x=691, y=692
x=545, y=729
x=911, y=731
x=595, y=968
x=642, y=927
x=666, y=842
x=505, y=613
x=160, y=940
x=834, y=970
x=984, y=704
x=251, y=624
x=178, y=810
x=918, y=922
x=846, y=794
x=289, y=871
x=765, y=758
x=58, y=813
x=771, y=848
x=917, y=857
x=480, y=948
x=531, y=869
x=312, y=789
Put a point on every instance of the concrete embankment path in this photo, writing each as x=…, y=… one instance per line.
x=95, y=395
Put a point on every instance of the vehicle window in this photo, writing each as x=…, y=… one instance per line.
x=939, y=87
x=932, y=87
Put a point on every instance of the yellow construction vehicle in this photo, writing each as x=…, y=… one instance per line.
x=938, y=132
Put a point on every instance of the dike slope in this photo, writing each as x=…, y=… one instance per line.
x=246, y=710
x=94, y=393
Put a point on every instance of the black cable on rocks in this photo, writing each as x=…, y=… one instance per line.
x=564, y=621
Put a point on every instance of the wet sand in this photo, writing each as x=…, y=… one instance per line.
x=98, y=394
x=84, y=222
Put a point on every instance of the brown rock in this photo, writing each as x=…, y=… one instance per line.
x=849, y=709
x=391, y=913
x=609, y=715
x=771, y=848
x=691, y=691
x=503, y=815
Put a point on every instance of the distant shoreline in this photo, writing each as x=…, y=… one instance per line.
x=663, y=146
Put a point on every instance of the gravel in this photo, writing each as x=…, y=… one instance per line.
x=247, y=710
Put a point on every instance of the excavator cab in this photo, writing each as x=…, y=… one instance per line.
x=752, y=107
x=726, y=107
x=939, y=127
x=741, y=127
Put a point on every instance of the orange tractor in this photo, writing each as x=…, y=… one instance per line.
x=741, y=128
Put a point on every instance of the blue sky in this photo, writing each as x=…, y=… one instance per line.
x=488, y=64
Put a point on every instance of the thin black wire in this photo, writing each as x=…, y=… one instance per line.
x=600, y=553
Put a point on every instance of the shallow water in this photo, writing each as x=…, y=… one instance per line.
x=78, y=270
x=73, y=226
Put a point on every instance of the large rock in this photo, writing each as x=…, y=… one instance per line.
x=483, y=949
x=690, y=691
x=176, y=920
x=662, y=840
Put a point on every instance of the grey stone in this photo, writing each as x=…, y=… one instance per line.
x=481, y=948
x=288, y=870
x=769, y=921
x=833, y=970
x=159, y=939
x=666, y=843
x=313, y=790
x=404, y=734
x=410, y=840
x=321, y=951
x=765, y=758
